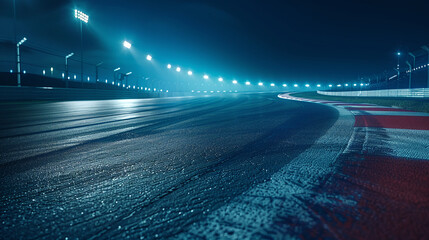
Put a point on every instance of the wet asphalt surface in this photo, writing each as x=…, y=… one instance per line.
x=145, y=168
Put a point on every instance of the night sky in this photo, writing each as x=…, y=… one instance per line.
x=300, y=41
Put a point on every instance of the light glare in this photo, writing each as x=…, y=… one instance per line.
x=127, y=44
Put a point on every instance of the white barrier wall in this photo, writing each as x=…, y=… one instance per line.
x=413, y=93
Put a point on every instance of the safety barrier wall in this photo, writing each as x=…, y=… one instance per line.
x=412, y=93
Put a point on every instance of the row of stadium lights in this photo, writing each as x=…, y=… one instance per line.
x=417, y=68
x=220, y=79
x=84, y=18
x=149, y=57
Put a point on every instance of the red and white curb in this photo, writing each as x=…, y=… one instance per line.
x=385, y=169
x=370, y=115
x=405, y=132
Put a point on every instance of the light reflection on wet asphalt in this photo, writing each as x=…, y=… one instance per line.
x=142, y=168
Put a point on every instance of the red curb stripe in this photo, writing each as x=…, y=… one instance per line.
x=396, y=177
x=401, y=122
x=379, y=109
x=392, y=197
x=393, y=190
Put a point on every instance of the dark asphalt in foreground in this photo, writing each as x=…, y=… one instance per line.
x=141, y=168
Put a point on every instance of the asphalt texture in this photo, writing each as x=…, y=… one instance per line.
x=146, y=168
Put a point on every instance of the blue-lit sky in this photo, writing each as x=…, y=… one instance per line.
x=279, y=41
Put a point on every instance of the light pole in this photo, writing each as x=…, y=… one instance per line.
x=414, y=63
x=414, y=59
x=409, y=76
x=96, y=73
x=67, y=69
x=127, y=45
x=114, y=73
x=126, y=77
x=18, y=61
x=398, y=54
x=427, y=65
x=83, y=19
x=399, y=72
x=397, y=82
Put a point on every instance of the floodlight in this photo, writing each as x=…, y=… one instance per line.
x=81, y=16
x=22, y=41
x=127, y=44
